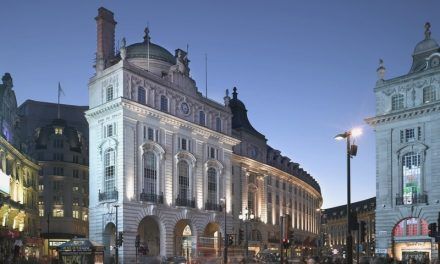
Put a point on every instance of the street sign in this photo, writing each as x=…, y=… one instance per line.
x=381, y=251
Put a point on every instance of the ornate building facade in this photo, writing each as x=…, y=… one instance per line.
x=269, y=186
x=160, y=152
x=334, y=227
x=61, y=148
x=407, y=127
x=19, y=224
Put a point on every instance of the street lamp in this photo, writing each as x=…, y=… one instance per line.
x=246, y=217
x=351, y=152
x=225, y=254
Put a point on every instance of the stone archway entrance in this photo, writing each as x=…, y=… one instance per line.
x=410, y=240
x=108, y=240
x=185, y=239
x=210, y=243
x=149, y=234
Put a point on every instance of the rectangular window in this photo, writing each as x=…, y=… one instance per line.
x=184, y=144
x=269, y=197
x=150, y=134
x=85, y=217
x=277, y=183
x=58, y=130
x=58, y=143
x=141, y=95
x=58, y=213
x=41, y=187
x=58, y=156
x=212, y=153
x=75, y=214
x=109, y=93
x=419, y=133
x=41, y=212
x=75, y=202
x=110, y=130
x=277, y=199
x=75, y=188
x=284, y=185
x=75, y=159
x=409, y=135
x=145, y=132
x=269, y=180
x=218, y=124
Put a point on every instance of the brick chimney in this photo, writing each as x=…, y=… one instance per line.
x=105, y=51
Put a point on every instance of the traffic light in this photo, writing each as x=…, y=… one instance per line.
x=240, y=236
x=432, y=227
x=121, y=239
x=363, y=230
x=354, y=225
x=286, y=243
x=230, y=240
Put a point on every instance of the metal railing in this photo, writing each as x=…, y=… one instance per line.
x=110, y=195
x=413, y=199
x=151, y=197
x=186, y=202
x=213, y=207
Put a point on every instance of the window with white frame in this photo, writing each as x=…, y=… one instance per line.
x=109, y=93
x=184, y=144
x=429, y=94
x=142, y=99
x=58, y=213
x=163, y=103
x=150, y=172
x=184, y=187
x=212, y=186
x=202, y=118
x=41, y=212
x=397, y=101
x=109, y=130
x=410, y=134
x=109, y=170
x=218, y=124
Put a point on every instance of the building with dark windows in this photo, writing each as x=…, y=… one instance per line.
x=407, y=126
x=334, y=228
x=273, y=190
x=57, y=136
x=19, y=225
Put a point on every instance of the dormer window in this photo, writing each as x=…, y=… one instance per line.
x=141, y=96
x=202, y=118
x=428, y=94
x=397, y=102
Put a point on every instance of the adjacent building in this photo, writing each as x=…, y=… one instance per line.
x=407, y=126
x=268, y=191
x=160, y=152
x=56, y=135
x=18, y=184
x=334, y=227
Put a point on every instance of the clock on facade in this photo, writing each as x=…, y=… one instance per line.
x=184, y=108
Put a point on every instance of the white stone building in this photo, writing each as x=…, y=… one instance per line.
x=158, y=149
x=407, y=125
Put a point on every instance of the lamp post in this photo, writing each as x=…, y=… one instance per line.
x=116, y=236
x=225, y=254
x=246, y=216
x=351, y=152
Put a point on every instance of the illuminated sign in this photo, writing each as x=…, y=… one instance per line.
x=4, y=182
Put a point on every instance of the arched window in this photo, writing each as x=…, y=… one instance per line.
x=428, y=95
x=184, y=190
x=163, y=103
x=212, y=186
x=411, y=177
x=150, y=173
x=202, y=119
x=109, y=93
x=397, y=102
x=109, y=170
x=218, y=124
x=141, y=96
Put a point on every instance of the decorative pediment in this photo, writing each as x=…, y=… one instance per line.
x=152, y=146
x=417, y=147
x=215, y=164
x=188, y=156
x=109, y=142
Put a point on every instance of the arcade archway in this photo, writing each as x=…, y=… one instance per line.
x=410, y=240
x=149, y=234
x=109, y=242
x=185, y=239
x=210, y=243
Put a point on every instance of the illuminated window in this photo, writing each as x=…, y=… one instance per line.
x=429, y=94
x=75, y=188
x=109, y=170
x=85, y=217
x=212, y=186
x=150, y=172
x=75, y=214
x=141, y=96
x=41, y=212
x=58, y=130
x=184, y=190
x=397, y=102
x=411, y=171
x=58, y=213
x=41, y=187
x=109, y=93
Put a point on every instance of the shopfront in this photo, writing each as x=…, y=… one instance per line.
x=411, y=240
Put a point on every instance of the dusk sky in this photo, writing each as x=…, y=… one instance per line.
x=306, y=70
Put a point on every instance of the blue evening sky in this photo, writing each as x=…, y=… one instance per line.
x=305, y=69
